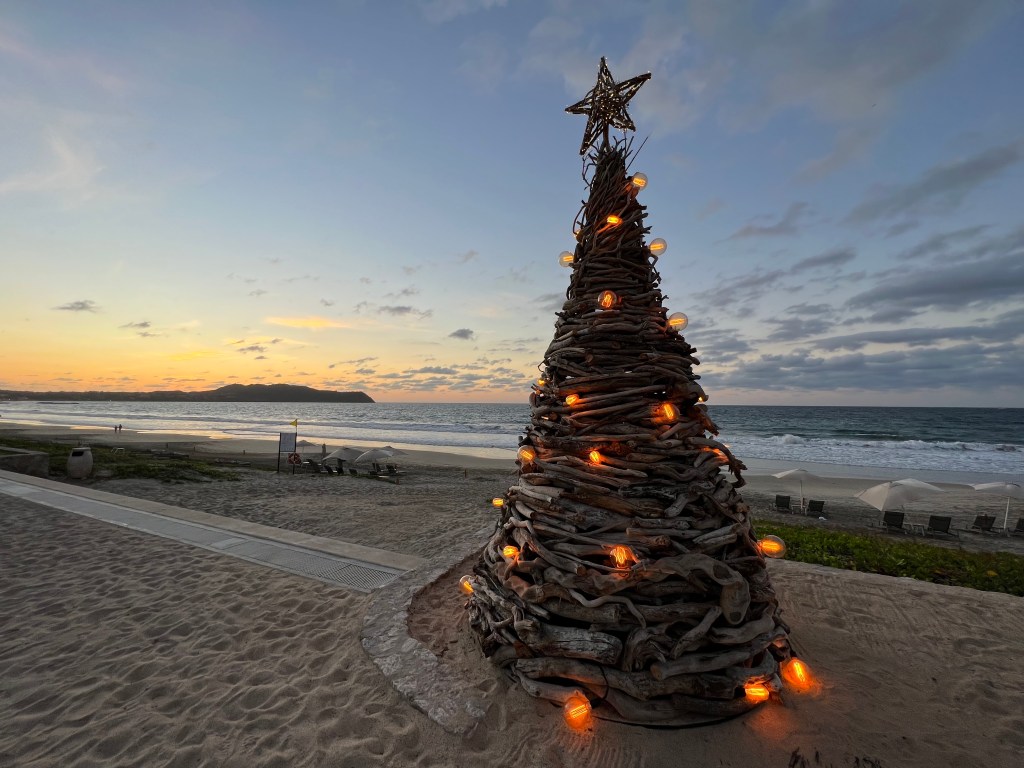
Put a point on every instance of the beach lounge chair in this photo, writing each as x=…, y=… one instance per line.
x=816, y=508
x=782, y=504
x=893, y=522
x=353, y=471
x=1019, y=530
x=938, y=525
x=982, y=524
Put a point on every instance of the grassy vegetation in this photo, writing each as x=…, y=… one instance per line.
x=127, y=464
x=990, y=571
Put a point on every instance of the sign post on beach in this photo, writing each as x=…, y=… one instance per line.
x=286, y=443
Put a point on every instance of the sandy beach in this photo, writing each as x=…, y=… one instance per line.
x=118, y=648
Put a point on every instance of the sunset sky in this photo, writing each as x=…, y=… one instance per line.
x=373, y=195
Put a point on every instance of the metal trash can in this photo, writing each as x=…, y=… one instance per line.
x=80, y=463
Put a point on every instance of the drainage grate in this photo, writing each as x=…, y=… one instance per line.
x=330, y=569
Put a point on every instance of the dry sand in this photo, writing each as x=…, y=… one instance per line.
x=122, y=649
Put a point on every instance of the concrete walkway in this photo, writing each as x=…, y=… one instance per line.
x=335, y=562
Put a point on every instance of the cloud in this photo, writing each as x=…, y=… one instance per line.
x=252, y=348
x=815, y=56
x=142, y=324
x=436, y=370
x=798, y=328
x=710, y=208
x=1001, y=332
x=468, y=256
x=940, y=189
x=941, y=242
x=733, y=292
x=462, y=333
x=551, y=302
x=257, y=292
x=978, y=283
x=973, y=365
x=832, y=259
x=403, y=310
x=82, y=305
x=440, y=11
x=788, y=224
x=312, y=322
x=485, y=60
x=72, y=168
x=327, y=303
x=404, y=293
x=850, y=144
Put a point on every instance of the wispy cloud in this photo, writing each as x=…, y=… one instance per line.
x=71, y=168
x=940, y=189
x=82, y=305
x=831, y=259
x=465, y=334
x=404, y=309
x=311, y=322
x=787, y=224
x=440, y=11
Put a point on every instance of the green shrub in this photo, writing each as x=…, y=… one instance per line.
x=127, y=464
x=990, y=571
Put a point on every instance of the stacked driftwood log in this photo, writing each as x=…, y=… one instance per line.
x=623, y=566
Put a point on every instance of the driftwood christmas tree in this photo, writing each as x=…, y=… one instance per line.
x=623, y=570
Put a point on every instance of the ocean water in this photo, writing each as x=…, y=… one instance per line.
x=989, y=440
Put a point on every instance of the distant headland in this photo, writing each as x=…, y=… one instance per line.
x=232, y=393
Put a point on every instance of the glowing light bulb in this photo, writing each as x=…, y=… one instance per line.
x=607, y=299
x=702, y=399
x=572, y=399
x=797, y=674
x=677, y=321
x=497, y=501
x=757, y=692
x=577, y=712
x=667, y=411
x=622, y=555
x=466, y=583
x=614, y=220
x=541, y=382
x=657, y=246
x=595, y=456
x=566, y=259
x=510, y=552
x=772, y=546
x=639, y=181
x=526, y=454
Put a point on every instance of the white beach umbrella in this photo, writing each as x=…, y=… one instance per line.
x=796, y=474
x=346, y=454
x=896, y=493
x=374, y=454
x=1009, y=490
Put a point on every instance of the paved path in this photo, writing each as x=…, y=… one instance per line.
x=329, y=560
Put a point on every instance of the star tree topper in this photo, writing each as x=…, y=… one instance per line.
x=605, y=105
